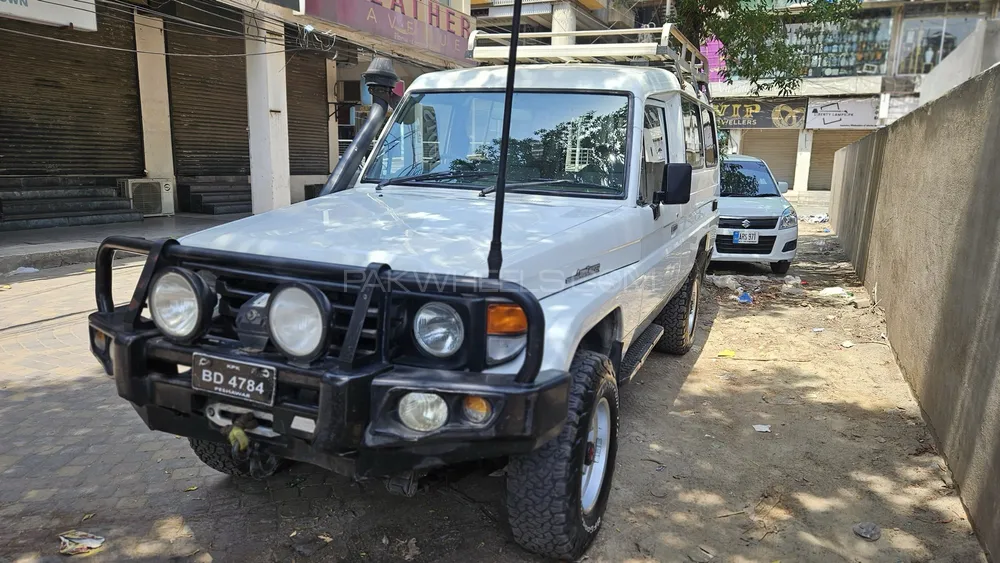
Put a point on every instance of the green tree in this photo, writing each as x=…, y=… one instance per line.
x=754, y=37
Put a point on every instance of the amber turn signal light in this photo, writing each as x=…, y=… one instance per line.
x=505, y=319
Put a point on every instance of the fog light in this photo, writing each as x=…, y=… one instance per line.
x=101, y=341
x=476, y=409
x=423, y=412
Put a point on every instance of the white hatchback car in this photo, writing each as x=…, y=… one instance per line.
x=756, y=223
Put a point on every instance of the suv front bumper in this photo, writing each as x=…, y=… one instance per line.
x=343, y=420
x=338, y=412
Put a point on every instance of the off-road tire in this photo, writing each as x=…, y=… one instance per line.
x=677, y=338
x=544, y=505
x=781, y=268
x=217, y=456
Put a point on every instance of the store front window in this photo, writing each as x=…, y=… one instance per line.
x=931, y=32
x=858, y=47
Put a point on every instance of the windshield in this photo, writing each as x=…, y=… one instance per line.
x=747, y=179
x=559, y=142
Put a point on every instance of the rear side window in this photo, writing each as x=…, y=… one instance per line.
x=693, y=150
x=708, y=128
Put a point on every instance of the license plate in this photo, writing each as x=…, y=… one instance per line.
x=233, y=378
x=745, y=237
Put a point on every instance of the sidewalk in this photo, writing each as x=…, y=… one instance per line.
x=61, y=246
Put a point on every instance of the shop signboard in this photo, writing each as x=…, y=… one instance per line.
x=78, y=14
x=761, y=114
x=424, y=24
x=842, y=113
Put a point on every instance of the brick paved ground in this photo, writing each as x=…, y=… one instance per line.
x=72, y=448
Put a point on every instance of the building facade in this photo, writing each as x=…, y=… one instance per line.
x=114, y=110
x=857, y=77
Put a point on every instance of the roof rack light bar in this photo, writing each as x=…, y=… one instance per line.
x=671, y=47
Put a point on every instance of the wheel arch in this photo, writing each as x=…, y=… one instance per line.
x=605, y=337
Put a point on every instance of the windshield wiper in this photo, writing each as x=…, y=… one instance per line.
x=548, y=182
x=431, y=177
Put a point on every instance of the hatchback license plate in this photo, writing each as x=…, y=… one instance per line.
x=745, y=237
x=233, y=378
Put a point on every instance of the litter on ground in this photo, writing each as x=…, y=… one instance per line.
x=847, y=344
x=833, y=292
x=23, y=270
x=867, y=530
x=727, y=354
x=762, y=427
x=75, y=542
x=821, y=218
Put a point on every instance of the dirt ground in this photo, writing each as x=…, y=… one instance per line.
x=694, y=480
x=846, y=444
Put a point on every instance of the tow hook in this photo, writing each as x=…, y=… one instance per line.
x=262, y=465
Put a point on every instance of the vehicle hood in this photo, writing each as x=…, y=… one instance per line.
x=752, y=206
x=442, y=231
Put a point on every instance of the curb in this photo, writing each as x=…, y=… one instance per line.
x=48, y=259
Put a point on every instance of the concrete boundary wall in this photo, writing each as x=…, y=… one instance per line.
x=916, y=206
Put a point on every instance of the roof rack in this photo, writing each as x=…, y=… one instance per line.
x=670, y=50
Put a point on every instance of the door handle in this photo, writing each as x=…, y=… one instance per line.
x=673, y=228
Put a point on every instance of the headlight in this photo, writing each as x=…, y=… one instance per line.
x=506, y=330
x=438, y=329
x=179, y=302
x=298, y=317
x=422, y=412
x=788, y=219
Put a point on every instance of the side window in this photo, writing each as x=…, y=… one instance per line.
x=654, y=152
x=708, y=128
x=692, y=134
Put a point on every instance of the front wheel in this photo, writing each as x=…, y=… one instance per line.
x=557, y=495
x=781, y=268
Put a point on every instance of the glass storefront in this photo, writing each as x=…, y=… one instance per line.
x=858, y=47
x=930, y=32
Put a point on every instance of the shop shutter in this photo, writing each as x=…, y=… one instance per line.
x=68, y=110
x=825, y=144
x=308, y=111
x=208, y=96
x=776, y=147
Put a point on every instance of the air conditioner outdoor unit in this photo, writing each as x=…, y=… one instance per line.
x=154, y=197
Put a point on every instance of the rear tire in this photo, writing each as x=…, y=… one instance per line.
x=557, y=495
x=781, y=268
x=679, y=318
x=218, y=456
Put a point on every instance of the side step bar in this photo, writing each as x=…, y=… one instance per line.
x=639, y=351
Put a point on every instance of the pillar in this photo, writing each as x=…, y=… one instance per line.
x=802, y=161
x=735, y=141
x=331, y=98
x=154, y=101
x=267, y=114
x=563, y=19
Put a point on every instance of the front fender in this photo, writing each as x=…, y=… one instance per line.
x=571, y=313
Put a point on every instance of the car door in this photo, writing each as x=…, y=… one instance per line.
x=657, y=221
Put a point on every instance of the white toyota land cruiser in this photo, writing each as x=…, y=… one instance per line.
x=374, y=330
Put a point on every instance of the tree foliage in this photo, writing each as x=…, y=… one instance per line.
x=754, y=38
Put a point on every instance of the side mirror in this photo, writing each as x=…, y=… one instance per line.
x=782, y=187
x=676, y=184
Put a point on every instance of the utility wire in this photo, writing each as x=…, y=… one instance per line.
x=108, y=48
x=164, y=28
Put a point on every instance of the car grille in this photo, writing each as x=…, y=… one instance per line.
x=755, y=223
x=725, y=245
x=235, y=291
